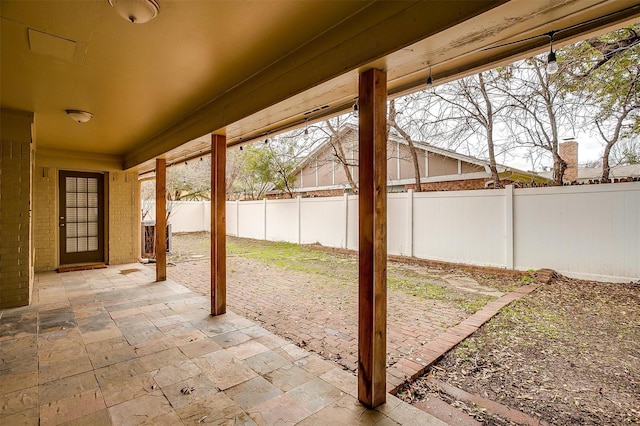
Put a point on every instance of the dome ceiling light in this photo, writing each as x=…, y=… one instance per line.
x=79, y=115
x=136, y=11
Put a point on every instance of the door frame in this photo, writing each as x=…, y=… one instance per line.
x=95, y=256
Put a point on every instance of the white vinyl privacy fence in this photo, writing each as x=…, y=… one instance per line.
x=590, y=231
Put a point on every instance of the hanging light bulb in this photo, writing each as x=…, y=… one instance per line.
x=355, y=108
x=429, y=80
x=552, y=63
x=306, y=129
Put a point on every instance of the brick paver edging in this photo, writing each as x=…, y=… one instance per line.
x=515, y=416
x=406, y=369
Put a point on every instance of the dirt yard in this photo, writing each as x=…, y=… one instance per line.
x=569, y=353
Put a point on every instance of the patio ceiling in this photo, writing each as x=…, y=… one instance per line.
x=247, y=68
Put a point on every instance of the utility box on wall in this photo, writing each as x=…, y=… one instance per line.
x=148, y=234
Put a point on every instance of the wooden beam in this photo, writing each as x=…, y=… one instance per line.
x=372, y=272
x=218, y=225
x=161, y=219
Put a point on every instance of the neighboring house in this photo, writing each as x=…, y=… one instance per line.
x=323, y=175
x=575, y=175
x=586, y=175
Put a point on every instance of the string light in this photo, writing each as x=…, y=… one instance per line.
x=306, y=129
x=429, y=80
x=552, y=63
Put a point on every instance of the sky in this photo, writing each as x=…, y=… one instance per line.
x=589, y=150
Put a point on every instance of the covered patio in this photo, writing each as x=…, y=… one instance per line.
x=113, y=346
x=90, y=101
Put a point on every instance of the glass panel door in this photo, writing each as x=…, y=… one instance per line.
x=81, y=217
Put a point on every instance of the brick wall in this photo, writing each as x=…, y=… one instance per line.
x=124, y=217
x=44, y=219
x=16, y=276
x=454, y=185
x=324, y=193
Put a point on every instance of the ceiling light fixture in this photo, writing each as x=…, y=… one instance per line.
x=429, y=80
x=136, y=11
x=78, y=115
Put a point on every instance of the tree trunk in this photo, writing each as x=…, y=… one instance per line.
x=489, y=127
x=605, y=162
x=559, y=166
x=412, y=149
x=338, y=150
x=613, y=140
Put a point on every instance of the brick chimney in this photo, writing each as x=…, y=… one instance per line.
x=569, y=153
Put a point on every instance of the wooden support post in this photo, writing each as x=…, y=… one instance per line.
x=161, y=220
x=372, y=273
x=218, y=225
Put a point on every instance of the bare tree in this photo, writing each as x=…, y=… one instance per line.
x=285, y=154
x=233, y=170
x=540, y=105
x=477, y=102
x=392, y=123
x=186, y=181
x=336, y=142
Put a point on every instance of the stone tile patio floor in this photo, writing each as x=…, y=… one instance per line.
x=111, y=346
x=321, y=315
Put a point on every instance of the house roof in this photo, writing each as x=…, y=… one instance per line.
x=246, y=68
x=595, y=173
x=506, y=172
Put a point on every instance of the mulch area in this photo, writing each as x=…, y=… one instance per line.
x=567, y=354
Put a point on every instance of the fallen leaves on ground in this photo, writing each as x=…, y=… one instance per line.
x=568, y=353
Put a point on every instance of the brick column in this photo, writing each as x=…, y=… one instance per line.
x=16, y=277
